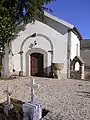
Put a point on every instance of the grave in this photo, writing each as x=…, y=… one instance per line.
x=32, y=109
x=13, y=109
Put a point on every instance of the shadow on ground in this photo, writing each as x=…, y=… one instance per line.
x=84, y=94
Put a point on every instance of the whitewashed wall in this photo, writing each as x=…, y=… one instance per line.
x=74, y=42
x=59, y=43
x=75, y=49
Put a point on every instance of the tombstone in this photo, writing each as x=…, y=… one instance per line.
x=8, y=106
x=32, y=110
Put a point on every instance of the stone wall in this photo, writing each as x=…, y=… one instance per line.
x=75, y=75
x=87, y=73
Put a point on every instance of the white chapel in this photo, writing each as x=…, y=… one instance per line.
x=42, y=47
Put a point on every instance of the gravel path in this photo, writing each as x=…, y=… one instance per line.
x=65, y=99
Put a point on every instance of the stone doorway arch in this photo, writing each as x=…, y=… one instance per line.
x=80, y=73
x=35, y=51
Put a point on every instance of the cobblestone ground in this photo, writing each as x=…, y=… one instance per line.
x=65, y=99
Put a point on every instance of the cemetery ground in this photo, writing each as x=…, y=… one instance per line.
x=65, y=99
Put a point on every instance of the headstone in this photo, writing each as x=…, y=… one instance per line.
x=8, y=106
x=32, y=110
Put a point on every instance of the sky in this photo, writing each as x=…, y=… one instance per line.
x=76, y=12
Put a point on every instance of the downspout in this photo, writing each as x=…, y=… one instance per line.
x=68, y=53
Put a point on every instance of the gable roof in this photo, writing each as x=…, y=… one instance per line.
x=68, y=25
x=59, y=20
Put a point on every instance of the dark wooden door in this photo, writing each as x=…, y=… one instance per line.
x=36, y=64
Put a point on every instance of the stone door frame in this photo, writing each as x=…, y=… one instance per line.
x=28, y=59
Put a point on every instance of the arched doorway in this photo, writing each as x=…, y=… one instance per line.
x=77, y=68
x=37, y=66
x=30, y=51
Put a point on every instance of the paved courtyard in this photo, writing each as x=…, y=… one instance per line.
x=65, y=99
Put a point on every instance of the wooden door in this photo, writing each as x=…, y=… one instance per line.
x=36, y=64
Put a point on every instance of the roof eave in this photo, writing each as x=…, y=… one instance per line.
x=78, y=33
x=75, y=31
x=70, y=26
x=58, y=20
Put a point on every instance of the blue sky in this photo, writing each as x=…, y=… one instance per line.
x=76, y=12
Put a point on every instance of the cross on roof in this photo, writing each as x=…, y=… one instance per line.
x=33, y=86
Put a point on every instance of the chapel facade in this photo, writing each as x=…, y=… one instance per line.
x=44, y=49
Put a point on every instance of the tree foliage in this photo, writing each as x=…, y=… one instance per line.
x=12, y=12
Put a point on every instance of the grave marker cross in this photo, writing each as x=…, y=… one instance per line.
x=33, y=86
x=8, y=95
x=32, y=110
x=8, y=106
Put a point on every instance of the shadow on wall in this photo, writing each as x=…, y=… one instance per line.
x=46, y=72
x=49, y=72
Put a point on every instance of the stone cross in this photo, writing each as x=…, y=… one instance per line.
x=8, y=106
x=8, y=95
x=32, y=110
x=33, y=86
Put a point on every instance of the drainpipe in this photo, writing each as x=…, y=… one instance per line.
x=68, y=53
